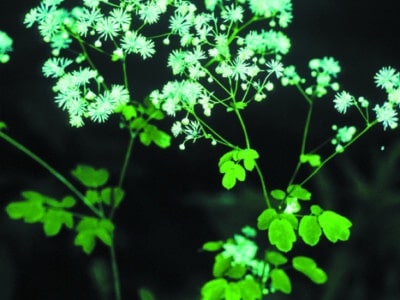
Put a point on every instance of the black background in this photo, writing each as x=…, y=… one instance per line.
x=174, y=200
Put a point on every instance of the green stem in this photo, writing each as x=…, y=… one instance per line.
x=126, y=161
x=263, y=186
x=303, y=141
x=316, y=170
x=115, y=272
x=52, y=171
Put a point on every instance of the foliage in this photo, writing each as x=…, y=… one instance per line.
x=219, y=58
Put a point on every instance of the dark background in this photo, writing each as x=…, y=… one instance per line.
x=174, y=200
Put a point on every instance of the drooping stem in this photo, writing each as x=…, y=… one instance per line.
x=51, y=170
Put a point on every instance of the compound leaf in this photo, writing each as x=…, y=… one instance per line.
x=91, y=228
x=281, y=234
x=334, y=226
x=151, y=133
x=90, y=177
x=309, y=230
x=280, y=281
x=31, y=210
x=308, y=267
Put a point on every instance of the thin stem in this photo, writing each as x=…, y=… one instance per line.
x=243, y=125
x=316, y=170
x=303, y=141
x=126, y=161
x=115, y=272
x=263, y=186
x=51, y=170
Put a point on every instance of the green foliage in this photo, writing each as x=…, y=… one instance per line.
x=308, y=267
x=280, y=281
x=220, y=58
x=35, y=208
x=89, y=229
x=282, y=234
x=229, y=165
x=90, y=177
x=310, y=230
x=314, y=160
x=334, y=226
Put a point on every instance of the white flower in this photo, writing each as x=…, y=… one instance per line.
x=386, y=115
x=275, y=66
x=343, y=101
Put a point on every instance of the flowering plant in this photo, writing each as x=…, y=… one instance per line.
x=224, y=56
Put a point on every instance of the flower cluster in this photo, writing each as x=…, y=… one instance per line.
x=324, y=71
x=343, y=136
x=216, y=50
x=82, y=92
x=387, y=79
x=5, y=47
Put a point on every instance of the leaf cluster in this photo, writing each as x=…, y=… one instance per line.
x=234, y=165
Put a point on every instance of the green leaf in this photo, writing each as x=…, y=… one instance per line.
x=151, y=133
x=308, y=267
x=93, y=196
x=309, y=230
x=29, y=211
x=229, y=180
x=265, y=218
x=334, y=226
x=221, y=265
x=299, y=192
x=232, y=291
x=68, y=202
x=236, y=271
x=213, y=246
x=316, y=210
x=214, y=289
x=275, y=258
x=280, y=281
x=281, y=234
x=249, y=157
x=90, y=177
x=278, y=194
x=54, y=219
x=91, y=228
x=128, y=111
x=112, y=196
x=232, y=172
x=250, y=289
x=228, y=156
x=313, y=159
